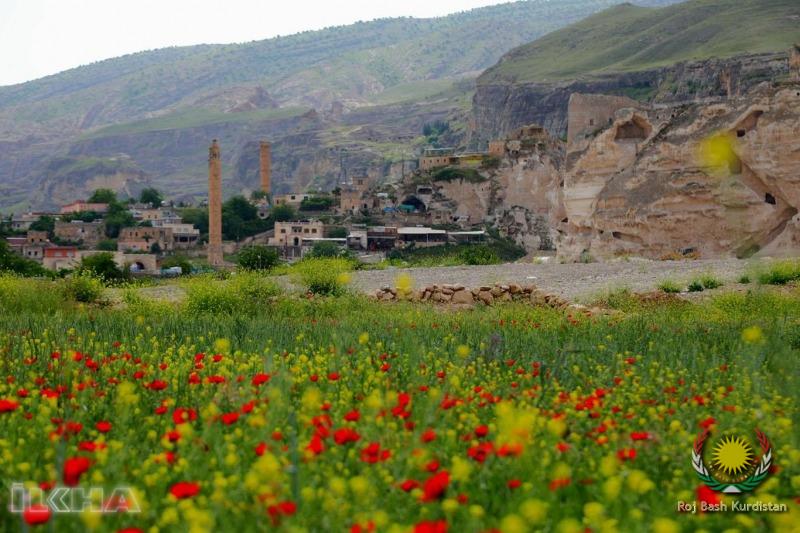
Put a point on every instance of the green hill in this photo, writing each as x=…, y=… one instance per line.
x=629, y=38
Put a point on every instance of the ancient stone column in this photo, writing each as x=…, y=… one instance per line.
x=266, y=166
x=214, y=206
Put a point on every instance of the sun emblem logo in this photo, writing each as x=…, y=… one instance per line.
x=734, y=466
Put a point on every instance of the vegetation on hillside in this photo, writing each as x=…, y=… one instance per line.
x=629, y=37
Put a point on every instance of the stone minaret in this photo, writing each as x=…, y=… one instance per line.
x=266, y=167
x=214, y=206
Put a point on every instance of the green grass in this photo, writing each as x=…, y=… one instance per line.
x=629, y=38
x=780, y=273
x=494, y=252
x=669, y=287
x=659, y=368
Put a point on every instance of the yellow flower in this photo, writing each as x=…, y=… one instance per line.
x=222, y=345
x=569, y=525
x=363, y=338
x=593, y=512
x=665, y=525
x=639, y=482
x=513, y=524
x=753, y=335
x=533, y=510
x=404, y=283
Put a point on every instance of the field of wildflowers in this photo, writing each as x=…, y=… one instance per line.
x=276, y=412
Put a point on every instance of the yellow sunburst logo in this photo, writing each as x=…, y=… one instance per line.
x=733, y=456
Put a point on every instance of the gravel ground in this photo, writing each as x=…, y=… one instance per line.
x=574, y=281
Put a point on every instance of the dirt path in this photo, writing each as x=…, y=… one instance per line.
x=572, y=281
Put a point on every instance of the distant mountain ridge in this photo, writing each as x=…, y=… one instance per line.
x=333, y=71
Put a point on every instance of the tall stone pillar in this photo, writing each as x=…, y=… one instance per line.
x=214, y=206
x=265, y=167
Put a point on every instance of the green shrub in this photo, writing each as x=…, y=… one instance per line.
x=84, y=287
x=243, y=292
x=669, y=286
x=178, y=261
x=710, y=282
x=257, y=257
x=104, y=267
x=744, y=279
x=695, y=286
x=328, y=249
x=323, y=275
x=479, y=255
x=780, y=273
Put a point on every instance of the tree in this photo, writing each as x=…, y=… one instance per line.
x=178, y=261
x=11, y=262
x=102, y=266
x=316, y=203
x=283, y=213
x=118, y=217
x=103, y=196
x=327, y=249
x=197, y=216
x=151, y=196
x=45, y=223
x=337, y=232
x=257, y=257
x=107, y=245
x=155, y=248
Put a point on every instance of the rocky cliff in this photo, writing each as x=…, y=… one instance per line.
x=500, y=107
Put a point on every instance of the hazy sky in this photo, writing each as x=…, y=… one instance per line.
x=41, y=37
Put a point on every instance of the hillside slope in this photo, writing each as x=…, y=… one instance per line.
x=693, y=50
x=335, y=101
x=629, y=38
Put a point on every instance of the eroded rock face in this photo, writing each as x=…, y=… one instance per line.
x=715, y=179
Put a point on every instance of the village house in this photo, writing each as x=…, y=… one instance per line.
x=292, y=233
x=183, y=235
x=35, y=243
x=23, y=221
x=81, y=207
x=61, y=257
x=292, y=199
x=421, y=236
x=88, y=234
x=156, y=217
x=142, y=239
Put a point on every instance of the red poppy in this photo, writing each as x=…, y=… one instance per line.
x=626, y=454
x=345, y=435
x=130, y=530
x=333, y=376
x=481, y=431
x=428, y=435
x=229, y=418
x=562, y=447
x=36, y=514
x=707, y=496
x=103, y=426
x=260, y=379
x=352, y=416
x=261, y=448
x=641, y=435
x=559, y=483
x=435, y=486
x=708, y=422
x=316, y=446
x=157, y=384
x=409, y=485
x=6, y=406
x=74, y=467
x=431, y=526
x=184, y=489
x=373, y=453
x=481, y=451
x=183, y=414
x=513, y=483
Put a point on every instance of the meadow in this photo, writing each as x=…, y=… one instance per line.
x=247, y=408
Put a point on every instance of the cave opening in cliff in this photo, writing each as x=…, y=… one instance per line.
x=768, y=198
x=636, y=129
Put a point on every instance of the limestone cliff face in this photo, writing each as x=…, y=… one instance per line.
x=716, y=179
x=498, y=108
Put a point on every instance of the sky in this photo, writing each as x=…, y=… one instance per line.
x=42, y=37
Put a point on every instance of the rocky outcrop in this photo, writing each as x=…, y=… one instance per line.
x=714, y=180
x=499, y=108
